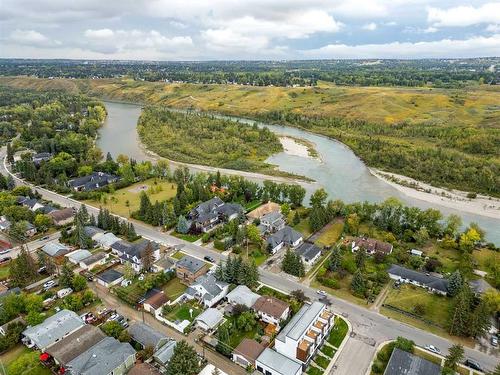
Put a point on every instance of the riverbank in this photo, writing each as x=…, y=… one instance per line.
x=299, y=147
x=455, y=199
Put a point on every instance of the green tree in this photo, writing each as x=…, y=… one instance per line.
x=455, y=356
x=33, y=318
x=460, y=316
x=360, y=258
x=358, y=285
x=184, y=361
x=296, y=218
x=66, y=278
x=78, y=283
x=182, y=225
x=335, y=260
x=10, y=153
x=24, y=363
x=112, y=328
x=42, y=222
x=455, y=283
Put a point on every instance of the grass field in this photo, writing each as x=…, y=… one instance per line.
x=331, y=234
x=181, y=312
x=4, y=272
x=187, y=237
x=19, y=353
x=174, y=288
x=125, y=201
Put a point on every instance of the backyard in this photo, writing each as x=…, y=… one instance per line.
x=174, y=289
x=21, y=360
x=125, y=201
x=330, y=234
x=182, y=312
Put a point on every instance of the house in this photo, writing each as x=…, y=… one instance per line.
x=209, y=319
x=109, y=278
x=106, y=240
x=479, y=286
x=154, y=303
x=55, y=249
x=92, y=181
x=210, y=369
x=108, y=356
x=432, y=283
x=285, y=236
x=305, y=333
x=271, y=310
x=207, y=215
x=272, y=222
x=93, y=232
x=4, y=327
x=242, y=295
x=146, y=336
x=30, y=230
x=164, y=264
x=70, y=347
x=94, y=260
x=246, y=353
x=208, y=290
x=264, y=209
x=402, y=362
x=32, y=203
x=162, y=355
x=371, y=246
x=271, y=362
x=78, y=255
x=62, y=217
x=53, y=329
x=133, y=253
x=5, y=246
x=41, y=157
x=309, y=253
x=188, y=269
x=4, y=224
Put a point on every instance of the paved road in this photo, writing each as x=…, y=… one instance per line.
x=33, y=245
x=369, y=325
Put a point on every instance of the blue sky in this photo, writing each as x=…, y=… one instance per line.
x=248, y=29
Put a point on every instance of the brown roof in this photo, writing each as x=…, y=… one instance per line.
x=75, y=344
x=157, y=300
x=264, y=209
x=143, y=369
x=271, y=306
x=250, y=349
x=373, y=245
x=63, y=214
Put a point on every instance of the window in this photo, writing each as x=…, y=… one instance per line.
x=260, y=368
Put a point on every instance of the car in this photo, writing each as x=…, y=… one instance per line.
x=44, y=238
x=209, y=259
x=49, y=284
x=473, y=364
x=321, y=292
x=5, y=251
x=5, y=260
x=433, y=349
x=494, y=340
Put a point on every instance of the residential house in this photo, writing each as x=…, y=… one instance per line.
x=55, y=249
x=208, y=290
x=162, y=355
x=371, y=246
x=286, y=236
x=164, y=264
x=93, y=181
x=309, y=253
x=480, y=286
x=70, y=347
x=106, y=240
x=109, y=278
x=53, y=329
x=4, y=224
x=32, y=203
x=7, y=292
x=93, y=232
x=94, y=260
x=271, y=310
x=62, y=217
x=264, y=209
x=272, y=222
x=425, y=280
x=402, y=362
x=242, y=295
x=305, y=333
x=5, y=246
x=41, y=157
x=108, y=357
x=207, y=215
x=30, y=230
x=188, y=269
x=145, y=336
x=78, y=255
x=247, y=352
x=154, y=303
x=271, y=362
x=209, y=319
x=132, y=253
x=4, y=327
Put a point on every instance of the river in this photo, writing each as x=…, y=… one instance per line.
x=340, y=172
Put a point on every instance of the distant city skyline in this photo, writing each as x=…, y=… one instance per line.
x=248, y=30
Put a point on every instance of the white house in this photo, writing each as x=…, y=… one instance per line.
x=271, y=310
x=432, y=283
x=132, y=253
x=106, y=240
x=208, y=290
x=94, y=260
x=270, y=362
x=309, y=253
x=242, y=295
x=109, y=278
x=78, y=255
x=209, y=319
x=285, y=236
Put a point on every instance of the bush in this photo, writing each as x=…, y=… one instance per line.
x=471, y=195
x=219, y=245
x=419, y=309
x=328, y=282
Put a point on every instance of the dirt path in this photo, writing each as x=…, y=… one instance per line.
x=381, y=297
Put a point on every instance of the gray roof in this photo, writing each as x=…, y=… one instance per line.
x=480, y=286
x=131, y=250
x=307, y=314
x=243, y=295
x=211, y=317
x=94, y=258
x=146, y=336
x=166, y=352
x=279, y=362
x=53, y=328
x=229, y=209
x=213, y=286
x=271, y=217
x=420, y=277
x=78, y=255
x=102, y=358
x=207, y=206
x=54, y=249
x=107, y=239
x=92, y=231
x=165, y=263
x=404, y=363
x=308, y=250
x=193, y=265
x=287, y=235
x=93, y=181
x=109, y=275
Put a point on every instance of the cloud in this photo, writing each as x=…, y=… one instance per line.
x=98, y=34
x=462, y=16
x=430, y=30
x=473, y=47
x=493, y=28
x=370, y=26
x=31, y=38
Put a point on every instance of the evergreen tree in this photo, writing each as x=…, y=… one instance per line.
x=460, y=317
x=292, y=264
x=10, y=153
x=296, y=218
x=147, y=257
x=131, y=234
x=479, y=320
x=184, y=361
x=360, y=258
x=23, y=269
x=144, y=205
x=455, y=283
x=335, y=261
x=66, y=278
x=358, y=285
x=83, y=215
x=182, y=225
x=455, y=356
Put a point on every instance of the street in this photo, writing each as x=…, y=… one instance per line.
x=368, y=325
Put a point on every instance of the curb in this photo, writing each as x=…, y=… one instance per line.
x=339, y=349
x=383, y=343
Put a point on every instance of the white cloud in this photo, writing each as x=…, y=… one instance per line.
x=473, y=47
x=98, y=34
x=31, y=38
x=462, y=16
x=431, y=30
x=494, y=28
x=370, y=26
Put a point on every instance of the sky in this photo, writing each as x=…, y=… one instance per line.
x=248, y=29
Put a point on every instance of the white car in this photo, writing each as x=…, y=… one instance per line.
x=433, y=349
x=321, y=292
x=49, y=284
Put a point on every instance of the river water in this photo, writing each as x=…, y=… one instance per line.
x=340, y=172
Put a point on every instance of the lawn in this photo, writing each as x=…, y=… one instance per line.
x=187, y=237
x=303, y=227
x=321, y=361
x=314, y=371
x=426, y=355
x=181, y=312
x=21, y=353
x=4, y=272
x=328, y=351
x=330, y=234
x=178, y=255
x=338, y=332
x=125, y=201
x=344, y=290
x=174, y=288
x=254, y=253
x=238, y=335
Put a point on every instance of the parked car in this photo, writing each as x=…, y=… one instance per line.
x=209, y=259
x=433, y=349
x=64, y=292
x=321, y=292
x=473, y=364
x=44, y=238
x=494, y=340
x=49, y=284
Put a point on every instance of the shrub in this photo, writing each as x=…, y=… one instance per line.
x=219, y=245
x=326, y=281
